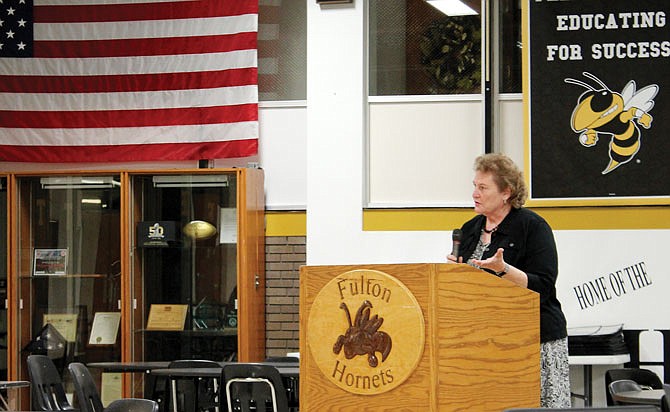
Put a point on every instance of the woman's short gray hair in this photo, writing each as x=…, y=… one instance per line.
x=506, y=175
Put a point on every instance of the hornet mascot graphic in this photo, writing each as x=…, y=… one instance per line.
x=600, y=111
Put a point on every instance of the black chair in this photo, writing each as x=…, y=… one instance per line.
x=292, y=384
x=132, y=405
x=247, y=386
x=192, y=394
x=88, y=396
x=47, y=390
x=622, y=385
x=282, y=359
x=665, y=403
x=643, y=377
x=633, y=408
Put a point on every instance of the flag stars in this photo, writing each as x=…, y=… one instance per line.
x=16, y=29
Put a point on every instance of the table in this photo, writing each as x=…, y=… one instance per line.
x=10, y=403
x=286, y=370
x=587, y=362
x=643, y=397
x=144, y=367
x=151, y=366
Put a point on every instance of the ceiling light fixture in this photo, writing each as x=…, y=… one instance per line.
x=79, y=182
x=191, y=181
x=452, y=7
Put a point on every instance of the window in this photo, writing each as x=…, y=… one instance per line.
x=417, y=50
x=282, y=50
x=510, y=46
x=3, y=277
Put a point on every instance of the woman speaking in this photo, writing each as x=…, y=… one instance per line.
x=517, y=244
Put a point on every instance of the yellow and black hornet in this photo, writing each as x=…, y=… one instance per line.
x=600, y=111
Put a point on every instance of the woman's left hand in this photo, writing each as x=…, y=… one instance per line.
x=495, y=263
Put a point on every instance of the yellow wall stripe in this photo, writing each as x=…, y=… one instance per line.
x=560, y=218
x=285, y=223
x=582, y=218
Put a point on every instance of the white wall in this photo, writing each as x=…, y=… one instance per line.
x=282, y=152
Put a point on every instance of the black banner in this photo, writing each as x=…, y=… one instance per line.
x=599, y=99
x=156, y=233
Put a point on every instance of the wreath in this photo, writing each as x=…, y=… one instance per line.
x=451, y=54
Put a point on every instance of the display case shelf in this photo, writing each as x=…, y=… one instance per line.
x=66, y=276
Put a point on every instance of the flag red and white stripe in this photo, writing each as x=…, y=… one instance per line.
x=132, y=80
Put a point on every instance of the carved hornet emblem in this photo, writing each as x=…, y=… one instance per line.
x=363, y=336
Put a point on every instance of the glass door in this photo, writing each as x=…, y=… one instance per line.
x=184, y=266
x=3, y=277
x=69, y=269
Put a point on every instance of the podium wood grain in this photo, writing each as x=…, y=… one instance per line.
x=481, y=350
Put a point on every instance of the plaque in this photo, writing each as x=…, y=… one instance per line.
x=167, y=317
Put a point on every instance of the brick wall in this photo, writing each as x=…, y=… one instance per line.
x=283, y=257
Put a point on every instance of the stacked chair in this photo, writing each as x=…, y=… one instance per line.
x=665, y=406
x=192, y=394
x=635, y=408
x=622, y=385
x=89, y=397
x=250, y=387
x=645, y=378
x=48, y=393
x=291, y=384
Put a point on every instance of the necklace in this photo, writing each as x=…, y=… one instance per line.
x=490, y=231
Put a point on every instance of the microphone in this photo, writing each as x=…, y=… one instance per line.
x=456, y=236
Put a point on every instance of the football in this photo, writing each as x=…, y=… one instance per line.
x=199, y=229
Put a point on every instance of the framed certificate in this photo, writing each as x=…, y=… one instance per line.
x=228, y=231
x=65, y=324
x=50, y=262
x=105, y=328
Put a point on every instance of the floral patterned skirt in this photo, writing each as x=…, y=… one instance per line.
x=555, y=374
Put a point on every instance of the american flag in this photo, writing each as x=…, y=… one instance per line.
x=128, y=80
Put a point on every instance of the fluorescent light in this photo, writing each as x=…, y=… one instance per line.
x=452, y=7
x=92, y=201
x=78, y=182
x=191, y=181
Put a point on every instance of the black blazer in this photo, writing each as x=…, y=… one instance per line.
x=529, y=246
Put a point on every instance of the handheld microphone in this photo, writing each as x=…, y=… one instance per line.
x=456, y=236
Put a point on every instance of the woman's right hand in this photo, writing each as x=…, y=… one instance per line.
x=453, y=259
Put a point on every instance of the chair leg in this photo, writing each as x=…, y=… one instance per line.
x=216, y=394
x=173, y=383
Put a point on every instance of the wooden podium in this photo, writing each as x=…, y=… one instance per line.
x=416, y=337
